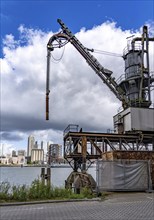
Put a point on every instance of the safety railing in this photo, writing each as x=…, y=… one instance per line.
x=137, y=47
x=71, y=128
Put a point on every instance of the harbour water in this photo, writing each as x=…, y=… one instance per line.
x=25, y=175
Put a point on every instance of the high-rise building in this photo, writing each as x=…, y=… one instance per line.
x=48, y=144
x=54, y=153
x=35, y=145
x=1, y=150
x=31, y=143
x=42, y=145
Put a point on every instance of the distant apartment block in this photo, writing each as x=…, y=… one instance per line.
x=54, y=153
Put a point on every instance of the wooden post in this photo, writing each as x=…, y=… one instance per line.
x=43, y=175
x=84, y=153
x=48, y=176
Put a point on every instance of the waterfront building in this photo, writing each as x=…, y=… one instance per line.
x=28, y=159
x=21, y=159
x=14, y=153
x=10, y=159
x=54, y=153
x=21, y=152
x=37, y=155
x=15, y=159
x=3, y=160
x=31, y=143
x=21, y=156
x=8, y=155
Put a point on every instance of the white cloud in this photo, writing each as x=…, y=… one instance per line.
x=77, y=94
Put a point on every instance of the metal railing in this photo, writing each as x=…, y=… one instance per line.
x=71, y=128
x=129, y=47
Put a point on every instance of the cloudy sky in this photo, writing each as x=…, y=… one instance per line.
x=77, y=96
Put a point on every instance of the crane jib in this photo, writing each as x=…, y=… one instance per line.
x=62, y=39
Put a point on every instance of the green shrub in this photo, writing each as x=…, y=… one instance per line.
x=19, y=193
x=39, y=191
x=86, y=192
x=4, y=190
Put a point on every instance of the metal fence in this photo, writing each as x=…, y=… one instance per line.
x=123, y=175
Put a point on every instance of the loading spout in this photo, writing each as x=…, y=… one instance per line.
x=47, y=106
x=56, y=41
x=47, y=85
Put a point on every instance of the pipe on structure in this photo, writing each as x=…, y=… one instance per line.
x=60, y=39
x=47, y=85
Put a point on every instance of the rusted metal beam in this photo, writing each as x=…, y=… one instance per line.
x=82, y=147
x=97, y=148
x=84, y=152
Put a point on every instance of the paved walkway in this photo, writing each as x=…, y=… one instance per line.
x=119, y=206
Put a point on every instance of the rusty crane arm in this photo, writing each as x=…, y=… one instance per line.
x=61, y=39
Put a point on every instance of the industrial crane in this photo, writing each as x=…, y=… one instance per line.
x=61, y=39
x=132, y=89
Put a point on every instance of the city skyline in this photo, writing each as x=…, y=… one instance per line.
x=40, y=143
x=42, y=153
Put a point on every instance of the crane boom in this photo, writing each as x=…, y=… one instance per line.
x=59, y=40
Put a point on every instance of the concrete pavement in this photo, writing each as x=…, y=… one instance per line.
x=118, y=206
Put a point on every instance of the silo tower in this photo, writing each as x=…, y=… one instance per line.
x=136, y=81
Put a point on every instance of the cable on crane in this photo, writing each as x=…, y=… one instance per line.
x=57, y=60
x=104, y=52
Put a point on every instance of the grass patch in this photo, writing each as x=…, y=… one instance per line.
x=39, y=191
